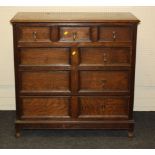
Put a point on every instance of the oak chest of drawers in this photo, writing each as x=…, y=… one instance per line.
x=74, y=70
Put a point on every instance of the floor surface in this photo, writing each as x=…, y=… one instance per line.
x=78, y=139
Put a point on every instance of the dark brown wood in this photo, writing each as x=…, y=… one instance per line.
x=72, y=34
x=75, y=43
x=107, y=107
x=18, y=131
x=131, y=128
x=45, y=81
x=94, y=33
x=115, y=33
x=74, y=81
x=104, y=81
x=74, y=71
x=106, y=124
x=44, y=56
x=74, y=17
x=133, y=71
x=117, y=56
x=45, y=107
x=54, y=33
x=34, y=34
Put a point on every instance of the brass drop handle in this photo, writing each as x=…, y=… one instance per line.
x=114, y=35
x=74, y=36
x=34, y=35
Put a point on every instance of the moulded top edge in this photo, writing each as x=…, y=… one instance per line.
x=74, y=17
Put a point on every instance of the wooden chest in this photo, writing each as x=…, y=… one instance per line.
x=74, y=70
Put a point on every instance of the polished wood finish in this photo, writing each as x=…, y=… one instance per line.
x=45, y=81
x=36, y=34
x=43, y=107
x=74, y=70
x=104, y=81
x=74, y=17
x=116, y=33
x=80, y=34
x=103, y=107
x=117, y=56
x=44, y=56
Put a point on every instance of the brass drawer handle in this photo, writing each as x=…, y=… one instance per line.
x=74, y=36
x=34, y=35
x=114, y=35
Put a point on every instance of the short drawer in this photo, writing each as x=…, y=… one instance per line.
x=116, y=56
x=104, y=81
x=34, y=34
x=45, y=107
x=42, y=81
x=106, y=107
x=75, y=34
x=115, y=33
x=44, y=56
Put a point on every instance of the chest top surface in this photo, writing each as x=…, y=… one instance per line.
x=74, y=17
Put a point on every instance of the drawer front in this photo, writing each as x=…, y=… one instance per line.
x=42, y=107
x=115, y=33
x=104, y=81
x=34, y=34
x=44, y=56
x=45, y=81
x=71, y=34
x=102, y=56
x=106, y=107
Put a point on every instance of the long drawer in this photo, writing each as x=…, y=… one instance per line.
x=89, y=107
x=87, y=56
